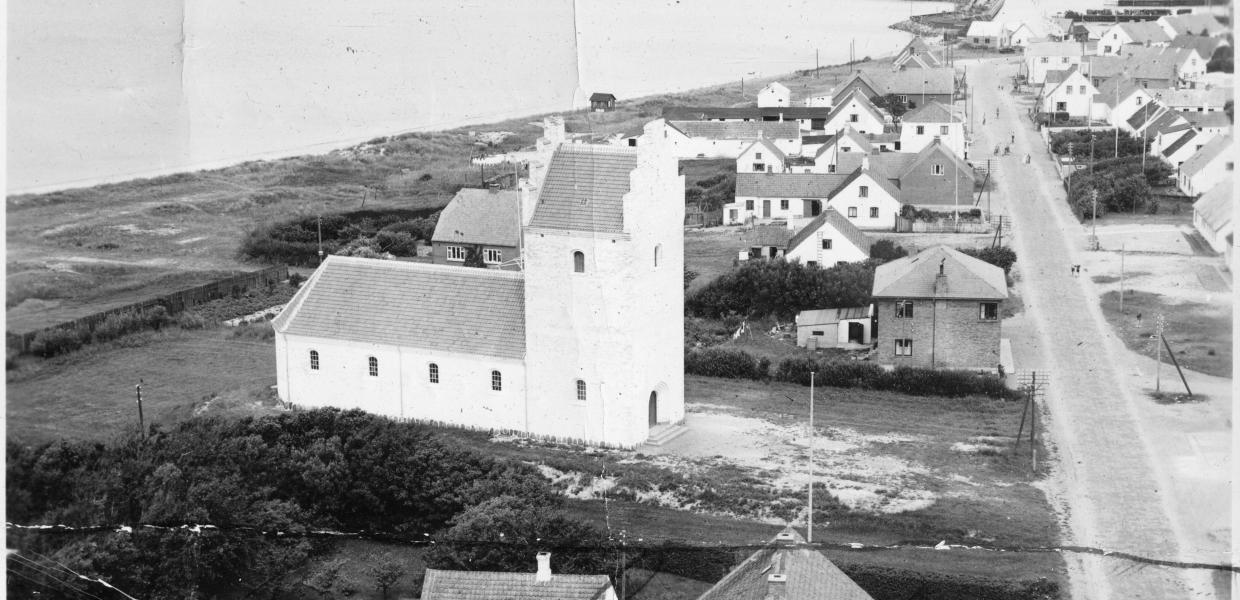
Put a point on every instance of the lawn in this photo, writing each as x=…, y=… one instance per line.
x=89, y=394
x=1199, y=333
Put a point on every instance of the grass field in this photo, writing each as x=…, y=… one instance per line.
x=1199, y=333
x=89, y=394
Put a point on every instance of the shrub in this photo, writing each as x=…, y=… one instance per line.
x=190, y=320
x=295, y=279
x=50, y=342
x=761, y=288
x=906, y=380
x=398, y=243
x=1001, y=256
x=720, y=362
x=257, y=331
x=887, y=250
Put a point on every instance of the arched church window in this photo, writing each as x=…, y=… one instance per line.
x=374, y=366
x=497, y=381
x=314, y=360
x=434, y=372
x=581, y=390
x=579, y=261
x=658, y=252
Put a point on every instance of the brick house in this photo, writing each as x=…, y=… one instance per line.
x=939, y=309
x=485, y=220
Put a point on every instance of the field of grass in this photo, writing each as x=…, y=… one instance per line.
x=1199, y=333
x=89, y=394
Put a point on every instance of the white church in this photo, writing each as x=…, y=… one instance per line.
x=583, y=343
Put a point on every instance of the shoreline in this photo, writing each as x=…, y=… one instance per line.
x=325, y=148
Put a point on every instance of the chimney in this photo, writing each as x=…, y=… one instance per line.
x=776, y=586
x=940, y=280
x=865, y=162
x=544, y=567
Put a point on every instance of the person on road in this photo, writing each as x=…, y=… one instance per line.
x=1013, y=137
x=996, y=113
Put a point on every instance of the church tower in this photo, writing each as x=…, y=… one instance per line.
x=603, y=258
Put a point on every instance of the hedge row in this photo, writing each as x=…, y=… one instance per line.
x=51, y=342
x=738, y=364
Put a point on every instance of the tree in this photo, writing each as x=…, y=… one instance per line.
x=505, y=532
x=887, y=250
x=892, y=104
x=386, y=574
x=999, y=256
x=473, y=258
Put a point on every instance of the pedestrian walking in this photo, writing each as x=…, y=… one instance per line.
x=1013, y=137
x=1002, y=373
x=1138, y=319
x=996, y=113
x=1027, y=157
x=983, y=119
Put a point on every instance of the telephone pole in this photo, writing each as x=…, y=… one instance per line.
x=809, y=533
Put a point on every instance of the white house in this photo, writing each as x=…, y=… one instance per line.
x=542, y=584
x=1023, y=34
x=856, y=111
x=1068, y=91
x=828, y=240
x=727, y=139
x=1175, y=26
x=762, y=156
x=1206, y=169
x=1176, y=148
x=867, y=199
x=835, y=327
x=1041, y=57
x=583, y=344
x=1214, y=123
x=988, y=34
x=920, y=127
x=1141, y=33
x=846, y=141
x=1118, y=98
x=1212, y=216
x=766, y=197
x=1200, y=100
x=774, y=94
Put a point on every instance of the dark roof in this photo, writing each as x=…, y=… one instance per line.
x=601, y=97
x=966, y=278
x=930, y=112
x=838, y=222
x=912, y=82
x=1179, y=143
x=1144, y=114
x=584, y=188
x=399, y=303
x=787, y=185
x=860, y=78
x=1194, y=23
x=738, y=130
x=769, y=146
x=1205, y=46
x=816, y=139
x=1141, y=32
x=1170, y=121
x=808, y=575
x=489, y=585
x=477, y=216
x=767, y=235
x=1206, y=120
x=703, y=113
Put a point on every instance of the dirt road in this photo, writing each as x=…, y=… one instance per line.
x=1113, y=491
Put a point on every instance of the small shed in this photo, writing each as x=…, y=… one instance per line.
x=601, y=101
x=835, y=327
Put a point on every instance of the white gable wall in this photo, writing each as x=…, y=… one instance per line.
x=914, y=140
x=1123, y=111
x=876, y=211
x=842, y=250
x=1074, y=96
x=759, y=156
x=865, y=121
x=774, y=94
x=1037, y=66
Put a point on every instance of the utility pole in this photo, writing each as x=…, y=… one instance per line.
x=1093, y=222
x=1159, y=324
x=1121, y=279
x=320, y=228
x=810, y=530
x=815, y=63
x=141, y=423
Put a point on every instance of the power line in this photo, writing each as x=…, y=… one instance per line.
x=61, y=583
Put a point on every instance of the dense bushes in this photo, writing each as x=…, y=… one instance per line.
x=291, y=473
x=999, y=256
x=1103, y=144
x=762, y=288
x=50, y=342
x=887, y=250
x=731, y=364
x=1122, y=185
x=738, y=364
x=296, y=241
x=712, y=192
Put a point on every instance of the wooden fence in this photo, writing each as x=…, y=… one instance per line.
x=173, y=302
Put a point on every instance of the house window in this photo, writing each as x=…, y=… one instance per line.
x=658, y=250
x=456, y=253
x=1044, y=60
x=374, y=366
x=902, y=99
x=1064, y=60
x=581, y=390
x=904, y=347
x=579, y=262
x=921, y=130
x=852, y=118
x=988, y=311
x=1061, y=106
x=845, y=148
x=830, y=168
x=826, y=244
x=936, y=169
x=783, y=204
x=757, y=155
x=817, y=333
x=852, y=212
x=1106, y=49
x=863, y=191
x=732, y=214
x=942, y=130
x=1082, y=89
x=904, y=309
x=873, y=212
x=759, y=167
x=492, y=256
x=314, y=360
x=433, y=372
x=1069, y=89
x=497, y=381
x=1145, y=84
x=749, y=205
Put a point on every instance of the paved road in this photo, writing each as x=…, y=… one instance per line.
x=1109, y=491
